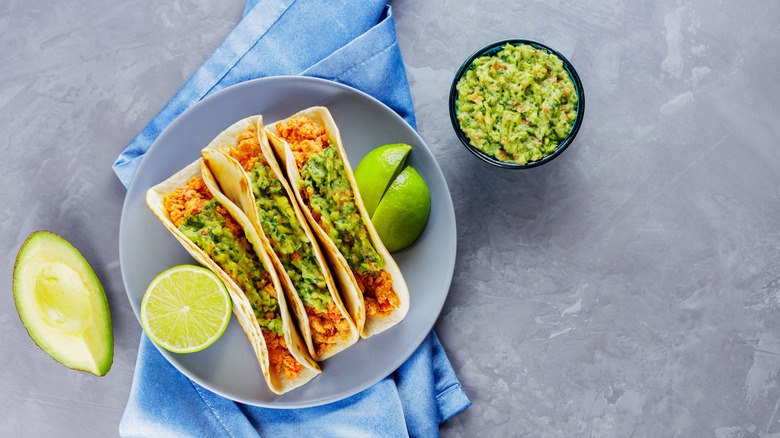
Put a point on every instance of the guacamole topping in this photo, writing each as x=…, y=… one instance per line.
x=290, y=243
x=233, y=255
x=518, y=104
x=326, y=189
x=334, y=203
x=200, y=217
x=288, y=239
x=206, y=223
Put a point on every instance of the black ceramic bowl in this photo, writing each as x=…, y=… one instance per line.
x=489, y=50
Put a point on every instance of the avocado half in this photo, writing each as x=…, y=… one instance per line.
x=62, y=303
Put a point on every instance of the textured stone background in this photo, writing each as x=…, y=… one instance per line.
x=631, y=287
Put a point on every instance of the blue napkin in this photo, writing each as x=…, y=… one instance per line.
x=352, y=42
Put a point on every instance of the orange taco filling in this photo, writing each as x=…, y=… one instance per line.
x=290, y=243
x=200, y=217
x=327, y=191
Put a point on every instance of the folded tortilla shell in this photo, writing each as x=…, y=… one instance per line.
x=353, y=297
x=236, y=184
x=242, y=308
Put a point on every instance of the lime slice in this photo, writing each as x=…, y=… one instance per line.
x=403, y=212
x=377, y=170
x=185, y=309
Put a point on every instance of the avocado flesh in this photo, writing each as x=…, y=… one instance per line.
x=62, y=303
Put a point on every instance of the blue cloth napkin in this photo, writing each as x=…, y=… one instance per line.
x=352, y=42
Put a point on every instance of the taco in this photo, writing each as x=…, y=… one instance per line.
x=243, y=164
x=321, y=177
x=221, y=238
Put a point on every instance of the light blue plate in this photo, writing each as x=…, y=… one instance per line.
x=229, y=367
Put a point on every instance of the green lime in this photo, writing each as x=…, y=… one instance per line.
x=403, y=212
x=185, y=309
x=377, y=170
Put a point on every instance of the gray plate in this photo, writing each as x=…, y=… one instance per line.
x=229, y=367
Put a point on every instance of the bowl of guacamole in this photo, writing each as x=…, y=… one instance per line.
x=516, y=103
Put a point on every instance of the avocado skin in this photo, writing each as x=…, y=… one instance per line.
x=100, y=330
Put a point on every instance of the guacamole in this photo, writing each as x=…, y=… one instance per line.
x=331, y=199
x=518, y=104
x=287, y=237
x=208, y=229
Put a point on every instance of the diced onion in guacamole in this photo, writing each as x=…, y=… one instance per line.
x=518, y=104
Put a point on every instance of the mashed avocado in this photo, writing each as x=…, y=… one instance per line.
x=235, y=256
x=332, y=200
x=518, y=104
x=289, y=241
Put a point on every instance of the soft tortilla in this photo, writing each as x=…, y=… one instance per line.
x=352, y=295
x=235, y=183
x=242, y=308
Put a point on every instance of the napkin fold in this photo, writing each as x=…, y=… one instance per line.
x=345, y=41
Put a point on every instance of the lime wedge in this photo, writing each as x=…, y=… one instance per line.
x=377, y=170
x=403, y=211
x=185, y=309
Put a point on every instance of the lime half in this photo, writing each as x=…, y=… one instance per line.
x=185, y=309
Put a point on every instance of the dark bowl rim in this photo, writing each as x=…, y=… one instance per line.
x=494, y=47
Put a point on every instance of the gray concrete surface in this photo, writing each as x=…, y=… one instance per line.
x=631, y=287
